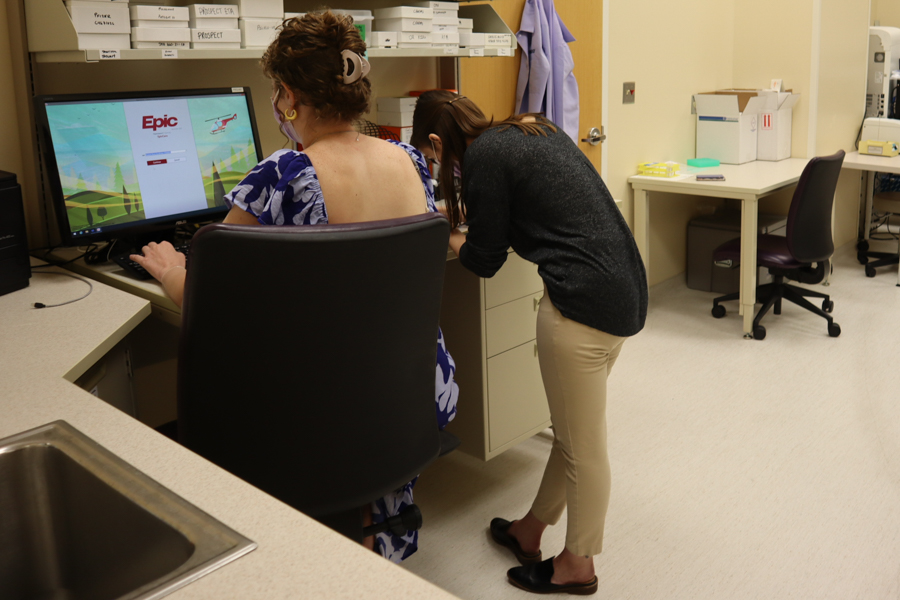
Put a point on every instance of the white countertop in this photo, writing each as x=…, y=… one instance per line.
x=42, y=350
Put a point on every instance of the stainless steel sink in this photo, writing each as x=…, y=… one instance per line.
x=77, y=522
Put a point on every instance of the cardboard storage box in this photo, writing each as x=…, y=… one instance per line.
x=159, y=13
x=414, y=38
x=774, y=141
x=213, y=11
x=218, y=36
x=100, y=17
x=160, y=24
x=395, y=119
x=403, y=12
x=727, y=124
x=213, y=16
x=403, y=25
x=160, y=45
x=261, y=9
x=438, y=5
x=103, y=41
x=471, y=39
x=160, y=34
x=258, y=33
x=442, y=16
x=382, y=39
x=498, y=40
x=396, y=103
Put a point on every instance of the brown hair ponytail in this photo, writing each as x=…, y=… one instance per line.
x=456, y=119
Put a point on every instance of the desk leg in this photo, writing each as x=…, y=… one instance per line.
x=870, y=193
x=642, y=226
x=749, y=231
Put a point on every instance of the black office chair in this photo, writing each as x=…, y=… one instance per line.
x=307, y=360
x=802, y=254
x=888, y=205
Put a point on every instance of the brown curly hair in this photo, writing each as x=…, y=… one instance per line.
x=306, y=56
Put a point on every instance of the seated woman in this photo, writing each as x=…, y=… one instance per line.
x=319, y=89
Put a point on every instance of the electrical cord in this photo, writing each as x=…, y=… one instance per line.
x=88, y=293
x=63, y=263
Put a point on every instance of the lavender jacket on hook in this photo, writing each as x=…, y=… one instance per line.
x=546, y=81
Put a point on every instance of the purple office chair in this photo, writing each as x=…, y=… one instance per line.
x=801, y=255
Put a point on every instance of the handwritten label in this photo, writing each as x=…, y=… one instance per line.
x=504, y=51
x=476, y=52
x=450, y=50
x=215, y=10
x=170, y=53
x=110, y=55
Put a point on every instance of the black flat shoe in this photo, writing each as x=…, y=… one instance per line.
x=536, y=578
x=500, y=533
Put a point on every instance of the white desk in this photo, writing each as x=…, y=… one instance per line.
x=869, y=165
x=748, y=183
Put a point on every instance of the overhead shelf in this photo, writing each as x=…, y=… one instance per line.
x=52, y=39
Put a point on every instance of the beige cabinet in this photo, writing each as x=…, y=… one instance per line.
x=489, y=328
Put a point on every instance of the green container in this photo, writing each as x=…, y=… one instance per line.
x=703, y=162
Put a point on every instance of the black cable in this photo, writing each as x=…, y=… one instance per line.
x=60, y=264
x=88, y=293
x=859, y=133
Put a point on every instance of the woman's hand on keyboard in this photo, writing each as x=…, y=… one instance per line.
x=159, y=259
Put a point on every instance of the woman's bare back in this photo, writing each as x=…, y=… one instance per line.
x=366, y=179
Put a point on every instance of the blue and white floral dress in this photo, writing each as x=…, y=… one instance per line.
x=283, y=189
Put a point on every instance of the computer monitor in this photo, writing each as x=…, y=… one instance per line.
x=131, y=164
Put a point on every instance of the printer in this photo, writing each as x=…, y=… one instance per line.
x=880, y=137
x=15, y=266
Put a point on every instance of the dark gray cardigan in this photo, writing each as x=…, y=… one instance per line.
x=542, y=196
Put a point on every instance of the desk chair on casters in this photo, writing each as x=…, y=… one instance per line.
x=307, y=360
x=801, y=255
x=887, y=203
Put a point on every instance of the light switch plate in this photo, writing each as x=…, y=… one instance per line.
x=628, y=92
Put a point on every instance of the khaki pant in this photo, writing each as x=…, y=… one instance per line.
x=575, y=361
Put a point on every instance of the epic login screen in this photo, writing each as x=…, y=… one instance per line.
x=123, y=161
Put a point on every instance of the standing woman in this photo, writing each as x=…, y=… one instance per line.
x=525, y=184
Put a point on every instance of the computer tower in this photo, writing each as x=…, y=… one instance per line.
x=15, y=266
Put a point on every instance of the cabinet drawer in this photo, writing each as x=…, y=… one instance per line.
x=516, y=400
x=515, y=279
x=511, y=324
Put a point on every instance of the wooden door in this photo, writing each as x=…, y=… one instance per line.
x=491, y=82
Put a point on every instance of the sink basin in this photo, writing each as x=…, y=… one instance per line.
x=77, y=522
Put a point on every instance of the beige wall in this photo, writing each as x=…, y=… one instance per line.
x=887, y=12
x=773, y=40
x=671, y=50
x=841, y=106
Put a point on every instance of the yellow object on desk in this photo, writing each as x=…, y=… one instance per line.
x=878, y=148
x=659, y=169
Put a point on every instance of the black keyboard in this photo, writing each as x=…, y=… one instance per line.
x=137, y=271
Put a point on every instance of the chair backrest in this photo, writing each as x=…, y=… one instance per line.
x=809, y=235
x=307, y=357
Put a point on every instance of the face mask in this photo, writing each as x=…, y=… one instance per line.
x=435, y=159
x=287, y=128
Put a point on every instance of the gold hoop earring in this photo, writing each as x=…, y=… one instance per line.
x=290, y=116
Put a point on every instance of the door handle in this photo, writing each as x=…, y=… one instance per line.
x=595, y=136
